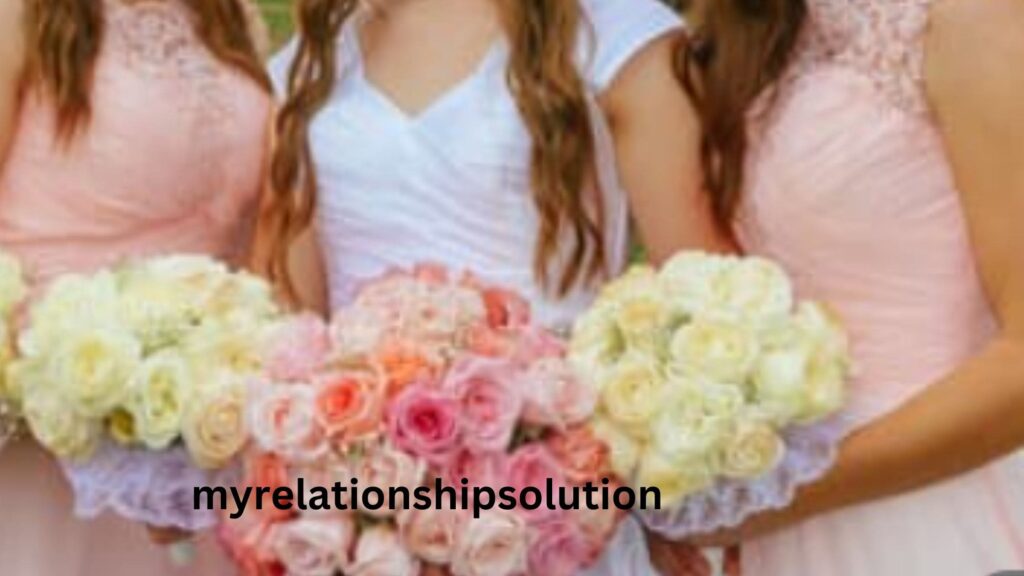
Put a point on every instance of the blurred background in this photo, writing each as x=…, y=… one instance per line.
x=278, y=14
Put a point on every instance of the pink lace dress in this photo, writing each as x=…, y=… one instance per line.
x=170, y=161
x=849, y=187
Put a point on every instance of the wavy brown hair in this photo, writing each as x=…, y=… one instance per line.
x=738, y=53
x=64, y=38
x=549, y=93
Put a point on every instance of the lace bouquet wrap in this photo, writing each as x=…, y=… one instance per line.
x=424, y=379
x=715, y=386
x=135, y=377
x=12, y=292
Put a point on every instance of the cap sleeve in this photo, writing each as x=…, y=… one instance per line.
x=279, y=66
x=619, y=29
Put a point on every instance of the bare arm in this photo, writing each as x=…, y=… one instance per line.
x=12, y=63
x=976, y=84
x=656, y=135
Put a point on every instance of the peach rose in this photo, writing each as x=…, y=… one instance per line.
x=582, y=455
x=349, y=406
x=431, y=534
x=495, y=544
x=385, y=467
x=312, y=546
x=282, y=419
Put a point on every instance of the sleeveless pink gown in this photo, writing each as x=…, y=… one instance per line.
x=849, y=187
x=171, y=161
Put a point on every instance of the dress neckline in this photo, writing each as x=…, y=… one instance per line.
x=444, y=98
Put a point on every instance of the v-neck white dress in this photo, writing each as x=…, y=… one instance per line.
x=451, y=184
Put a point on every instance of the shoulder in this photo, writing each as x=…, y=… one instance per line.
x=617, y=30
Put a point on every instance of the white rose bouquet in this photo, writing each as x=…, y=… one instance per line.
x=135, y=377
x=715, y=385
x=12, y=291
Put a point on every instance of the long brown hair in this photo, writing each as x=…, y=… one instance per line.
x=738, y=52
x=550, y=95
x=64, y=38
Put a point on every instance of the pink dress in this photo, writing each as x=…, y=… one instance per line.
x=171, y=161
x=849, y=187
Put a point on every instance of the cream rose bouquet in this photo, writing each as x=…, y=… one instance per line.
x=425, y=380
x=135, y=377
x=12, y=291
x=716, y=386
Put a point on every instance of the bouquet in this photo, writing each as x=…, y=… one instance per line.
x=136, y=377
x=12, y=291
x=715, y=386
x=423, y=382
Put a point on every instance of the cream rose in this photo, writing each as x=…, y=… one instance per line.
x=631, y=394
x=214, y=425
x=753, y=450
x=313, y=546
x=57, y=427
x=380, y=552
x=495, y=544
x=675, y=482
x=755, y=289
x=690, y=281
x=92, y=369
x=721, y=351
x=161, y=386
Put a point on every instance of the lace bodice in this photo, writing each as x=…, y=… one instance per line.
x=174, y=141
x=883, y=40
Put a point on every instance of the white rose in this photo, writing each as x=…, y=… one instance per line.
x=236, y=346
x=161, y=387
x=753, y=450
x=57, y=427
x=631, y=393
x=71, y=303
x=717, y=350
x=697, y=421
x=93, y=370
x=690, y=280
x=596, y=341
x=755, y=289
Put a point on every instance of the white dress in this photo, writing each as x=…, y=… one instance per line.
x=450, y=185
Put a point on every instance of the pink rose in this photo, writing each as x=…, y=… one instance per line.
x=495, y=544
x=489, y=403
x=349, y=406
x=431, y=534
x=559, y=548
x=299, y=348
x=533, y=465
x=314, y=546
x=385, y=467
x=582, y=455
x=555, y=396
x=425, y=423
x=379, y=552
x=478, y=469
x=283, y=420
x=485, y=341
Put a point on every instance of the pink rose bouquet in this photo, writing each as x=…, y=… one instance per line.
x=395, y=429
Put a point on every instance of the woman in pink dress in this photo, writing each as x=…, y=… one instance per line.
x=875, y=149
x=127, y=129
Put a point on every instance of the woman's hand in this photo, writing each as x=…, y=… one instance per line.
x=677, y=558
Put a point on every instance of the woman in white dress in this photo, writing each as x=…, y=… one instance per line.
x=506, y=137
